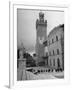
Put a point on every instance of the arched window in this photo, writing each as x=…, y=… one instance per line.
x=52, y=40
x=50, y=63
x=54, y=62
x=53, y=52
x=58, y=63
x=58, y=51
x=56, y=38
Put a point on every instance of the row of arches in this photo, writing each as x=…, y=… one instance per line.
x=55, y=63
x=57, y=52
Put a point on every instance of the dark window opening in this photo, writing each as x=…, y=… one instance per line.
x=53, y=52
x=58, y=51
x=56, y=38
x=58, y=62
x=52, y=40
x=50, y=63
x=54, y=62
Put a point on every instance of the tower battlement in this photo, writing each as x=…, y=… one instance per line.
x=41, y=21
x=41, y=15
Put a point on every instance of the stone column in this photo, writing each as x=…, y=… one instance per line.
x=21, y=71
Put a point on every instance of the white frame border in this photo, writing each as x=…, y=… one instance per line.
x=13, y=46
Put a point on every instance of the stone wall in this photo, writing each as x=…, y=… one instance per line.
x=55, y=59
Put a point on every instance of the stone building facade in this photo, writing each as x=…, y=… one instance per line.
x=55, y=45
x=41, y=36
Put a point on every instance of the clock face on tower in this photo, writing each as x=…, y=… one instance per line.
x=41, y=40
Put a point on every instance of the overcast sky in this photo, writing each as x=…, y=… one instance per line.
x=26, y=25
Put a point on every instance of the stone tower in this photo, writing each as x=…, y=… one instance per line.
x=41, y=36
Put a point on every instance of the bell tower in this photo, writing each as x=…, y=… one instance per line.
x=41, y=35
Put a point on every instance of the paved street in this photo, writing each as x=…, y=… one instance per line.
x=31, y=76
x=28, y=75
